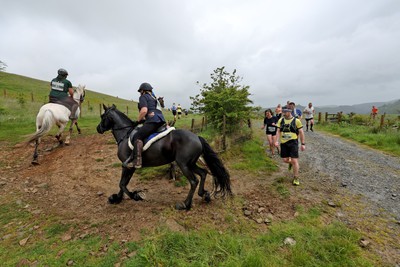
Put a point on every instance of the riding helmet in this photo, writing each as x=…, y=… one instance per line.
x=62, y=72
x=145, y=87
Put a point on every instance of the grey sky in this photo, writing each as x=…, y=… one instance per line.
x=327, y=52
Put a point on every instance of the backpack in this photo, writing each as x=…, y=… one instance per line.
x=289, y=127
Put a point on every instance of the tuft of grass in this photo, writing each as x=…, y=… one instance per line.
x=252, y=157
x=181, y=181
x=384, y=139
x=317, y=244
x=44, y=246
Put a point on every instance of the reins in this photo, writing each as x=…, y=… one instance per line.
x=126, y=135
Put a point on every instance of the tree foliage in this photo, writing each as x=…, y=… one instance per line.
x=223, y=96
x=3, y=66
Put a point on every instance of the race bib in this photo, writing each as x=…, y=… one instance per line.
x=271, y=129
x=286, y=136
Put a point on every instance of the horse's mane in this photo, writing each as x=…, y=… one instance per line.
x=124, y=116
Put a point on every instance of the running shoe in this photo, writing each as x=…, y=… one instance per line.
x=296, y=181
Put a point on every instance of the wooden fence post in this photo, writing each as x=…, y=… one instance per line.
x=382, y=120
x=31, y=96
x=339, y=117
x=326, y=116
x=202, y=124
x=127, y=110
x=224, y=134
x=192, y=127
x=319, y=117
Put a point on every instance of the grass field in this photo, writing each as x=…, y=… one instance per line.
x=318, y=243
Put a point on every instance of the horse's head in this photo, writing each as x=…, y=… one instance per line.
x=79, y=93
x=107, y=121
x=114, y=119
x=161, y=101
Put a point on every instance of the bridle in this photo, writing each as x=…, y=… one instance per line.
x=81, y=97
x=116, y=129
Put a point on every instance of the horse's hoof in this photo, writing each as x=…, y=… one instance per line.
x=114, y=199
x=138, y=195
x=207, y=197
x=35, y=162
x=181, y=206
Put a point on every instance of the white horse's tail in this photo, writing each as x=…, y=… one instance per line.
x=45, y=126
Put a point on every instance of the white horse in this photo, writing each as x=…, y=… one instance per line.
x=50, y=114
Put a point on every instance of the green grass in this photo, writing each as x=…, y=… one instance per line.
x=44, y=244
x=243, y=244
x=253, y=157
x=386, y=139
x=317, y=244
x=22, y=98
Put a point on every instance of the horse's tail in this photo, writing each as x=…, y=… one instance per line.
x=45, y=127
x=222, y=181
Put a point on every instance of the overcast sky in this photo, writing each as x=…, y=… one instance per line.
x=327, y=52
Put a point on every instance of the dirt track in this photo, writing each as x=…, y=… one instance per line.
x=74, y=182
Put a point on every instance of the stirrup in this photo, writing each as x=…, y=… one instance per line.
x=128, y=164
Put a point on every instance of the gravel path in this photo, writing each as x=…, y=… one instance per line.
x=361, y=170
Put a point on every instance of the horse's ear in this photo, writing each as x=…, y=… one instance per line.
x=105, y=107
x=113, y=106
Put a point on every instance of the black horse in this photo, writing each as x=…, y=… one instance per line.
x=181, y=146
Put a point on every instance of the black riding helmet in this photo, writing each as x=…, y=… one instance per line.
x=145, y=87
x=62, y=72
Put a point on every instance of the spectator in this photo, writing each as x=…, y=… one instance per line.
x=374, y=112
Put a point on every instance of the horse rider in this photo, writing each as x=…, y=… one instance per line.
x=62, y=93
x=153, y=119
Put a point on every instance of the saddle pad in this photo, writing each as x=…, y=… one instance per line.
x=152, y=140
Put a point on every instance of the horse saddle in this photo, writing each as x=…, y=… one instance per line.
x=160, y=133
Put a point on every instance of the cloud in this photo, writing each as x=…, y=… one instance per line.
x=327, y=52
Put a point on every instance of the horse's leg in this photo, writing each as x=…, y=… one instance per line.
x=126, y=176
x=77, y=127
x=68, y=138
x=35, y=160
x=188, y=172
x=172, y=171
x=61, y=128
x=203, y=174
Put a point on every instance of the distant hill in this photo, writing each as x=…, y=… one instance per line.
x=390, y=107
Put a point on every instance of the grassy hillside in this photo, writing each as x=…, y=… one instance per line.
x=22, y=97
x=16, y=86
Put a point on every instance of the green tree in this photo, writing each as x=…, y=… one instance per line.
x=224, y=96
x=3, y=66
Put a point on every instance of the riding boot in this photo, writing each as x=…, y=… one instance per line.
x=139, y=149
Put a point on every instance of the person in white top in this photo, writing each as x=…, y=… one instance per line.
x=309, y=116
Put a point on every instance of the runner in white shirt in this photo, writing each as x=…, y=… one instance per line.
x=309, y=116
